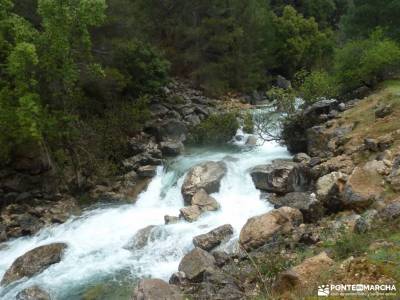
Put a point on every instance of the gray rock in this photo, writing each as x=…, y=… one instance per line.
x=190, y=213
x=214, y=238
x=221, y=258
x=306, y=202
x=301, y=158
x=34, y=262
x=283, y=83
x=383, y=111
x=171, y=148
x=171, y=219
x=281, y=177
x=178, y=278
x=204, y=201
x=371, y=144
x=156, y=289
x=251, y=141
x=147, y=171
x=33, y=293
x=143, y=237
x=391, y=211
x=207, y=176
x=195, y=263
x=342, y=107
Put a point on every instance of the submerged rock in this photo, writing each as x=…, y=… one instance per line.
x=214, y=238
x=258, y=230
x=33, y=293
x=33, y=262
x=205, y=176
x=143, y=237
x=156, y=289
x=195, y=263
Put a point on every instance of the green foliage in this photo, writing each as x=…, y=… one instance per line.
x=322, y=10
x=318, y=85
x=248, y=124
x=350, y=244
x=217, y=129
x=366, y=62
x=283, y=99
x=300, y=43
x=365, y=15
x=144, y=68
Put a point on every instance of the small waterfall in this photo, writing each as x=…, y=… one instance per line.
x=97, y=239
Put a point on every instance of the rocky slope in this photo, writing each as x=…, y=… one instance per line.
x=336, y=216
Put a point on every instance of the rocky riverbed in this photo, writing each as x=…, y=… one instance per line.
x=233, y=224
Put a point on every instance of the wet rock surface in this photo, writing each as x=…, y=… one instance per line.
x=214, y=238
x=33, y=262
x=33, y=293
x=206, y=176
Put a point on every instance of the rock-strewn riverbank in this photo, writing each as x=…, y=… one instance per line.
x=339, y=197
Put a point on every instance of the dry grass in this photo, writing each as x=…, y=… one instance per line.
x=363, y=114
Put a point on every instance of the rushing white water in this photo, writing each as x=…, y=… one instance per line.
x=97, y=239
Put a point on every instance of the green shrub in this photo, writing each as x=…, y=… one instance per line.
x=366, y=62
x=318, y=85
x=248, y=124
x=217, y=129
x=350, y=244
x=284, y=99
x=145, y=69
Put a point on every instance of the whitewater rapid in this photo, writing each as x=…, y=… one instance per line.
x=96, y=239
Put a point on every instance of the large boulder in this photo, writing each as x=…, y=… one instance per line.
x=33, y=293
x=214, y=238
x=205, y=176
x=326, y=183
x=303, y=276
x=156, y=289
x=306, y=202
x=363, y=187
x=195, y=263
x=258, y=230
x=281, y=177
x=33, y=262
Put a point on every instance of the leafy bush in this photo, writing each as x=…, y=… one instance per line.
x=248, y=124
x=145, y=69
x=366, y=62
x=283, y=99
x=217, y=129
x=318, y=85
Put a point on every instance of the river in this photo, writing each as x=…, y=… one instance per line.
x=97, y=260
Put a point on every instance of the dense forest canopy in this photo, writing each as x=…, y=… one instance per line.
x=77, y=74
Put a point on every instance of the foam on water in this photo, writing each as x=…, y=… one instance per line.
x=97, y=239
